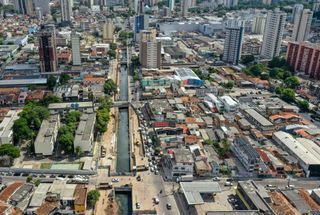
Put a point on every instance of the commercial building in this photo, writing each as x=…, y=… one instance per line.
x=233, y=43
x=47, y=136
x=150, y=50
x=48, y=49
x=273, y=34
x=180, y=162
x=85, y=132
x=247, y=155
x=304, y=150
x=194, y=192
x=24, y=6
x=304, y=57
x=6, y=133
x=108, y=30
x=210, y=100
x=188, y=78
x=258, y=25
x=302, y=24
x=254, y=197
x=80, y=201
x=75, y=44
x=43, y=6
x=257, y=119
x=229, y=104
x=66, y=10
x=141, y=22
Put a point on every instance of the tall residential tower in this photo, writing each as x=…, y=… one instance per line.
x=302, y=24
x=273, y=33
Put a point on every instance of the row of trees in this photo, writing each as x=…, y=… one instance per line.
x=67, y=131
x=52, y=80
x=103, y=115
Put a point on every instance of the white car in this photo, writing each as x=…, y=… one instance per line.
x=156, y=172
x=138, y=205
x=216, y=179
x=152, y=169
x=115, y=180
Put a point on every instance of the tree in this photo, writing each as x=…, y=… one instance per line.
x=277, y=62
x=29, y=179
x=78, y=151
x=72, y=117
x=64, y=78
x=21, y=130
x=247, y=59
x=50, y=99
x=66, y=141
x=135, y=61
x=10, y=150
x=303, y=105
x=292, y=82
x=113, y=46
x=37, y=182
x=110, y=87
x=264, y=76
x=51, y=82
x=92, y=197
x=228, y=85
x=112, y=53
x=288, y=94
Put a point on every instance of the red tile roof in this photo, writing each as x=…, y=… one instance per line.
x=6, y=193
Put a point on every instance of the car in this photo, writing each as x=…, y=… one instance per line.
x=156, y=200
x=115, y=180
x=152, y=169
x=229, y=179
x=216, y=179
x=228, y=184
x=138, y=178
x=156, y=172
x=138, y=205
x=169, y=206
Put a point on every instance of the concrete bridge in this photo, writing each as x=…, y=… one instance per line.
x=121, y=104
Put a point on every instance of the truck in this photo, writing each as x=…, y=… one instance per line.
x=185, y=178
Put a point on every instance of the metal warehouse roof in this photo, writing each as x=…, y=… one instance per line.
x=192, y=190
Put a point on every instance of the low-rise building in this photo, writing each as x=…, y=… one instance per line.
x=66, y=107
x=257, y=119
x=80, y=202
x=247, y=155
x=230, y=105
x=47, y=136
x=305, y=151
x=85, y=132
x=6, y=133
x=179, y=162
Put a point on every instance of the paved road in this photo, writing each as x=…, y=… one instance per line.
x=282, y=183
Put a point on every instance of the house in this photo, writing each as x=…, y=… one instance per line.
x=22, y=97
x=179, y=162
x=85, y=132
x=202, y=168
x=247, y=155
x=47, y=136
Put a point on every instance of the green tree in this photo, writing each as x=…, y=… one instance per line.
x=264, y=76
x=29, y=179
x=292, y=82
x=64, y=78
x=21, y=130
x=10, y=150
x=112, y=53
x=51, y=82
x=229, y=85
x=110, y=87
x=288, y=94
x=37, y=182
x=303, y=105
x=113, y=46
x=78, y=151
x=135, y=61
x=278, y=62
x=102, y=119
x=92, y=197
x=66, y=141
x=50, y=99
x=247, y=59
x=72, y=117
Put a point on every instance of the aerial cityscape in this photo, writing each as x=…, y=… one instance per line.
x=168, y=107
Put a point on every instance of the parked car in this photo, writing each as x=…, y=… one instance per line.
x=216, y=179
x=169, y=206
x=115, y=180
x=138, y=205
x=156, y=200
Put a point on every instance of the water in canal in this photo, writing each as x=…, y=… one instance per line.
x=125, y=203
x=123, y=155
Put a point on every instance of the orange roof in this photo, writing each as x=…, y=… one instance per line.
x=36, y=94
x=190, y=139
x=284, y=115
x=190, y=120
x=259, y=81
x=302, y=133
x=46, y=208
x=93, y=79
x=9, y=90
x=184, y=99
x=80, y=195
x=6, y=193
x=183, y=126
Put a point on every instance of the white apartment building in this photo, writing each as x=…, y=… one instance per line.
x=302, y=24
x=273, y=34
x=75, y=43
x=85, y=132
x=6, y=133
x=47, y=136
x=259, y=23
